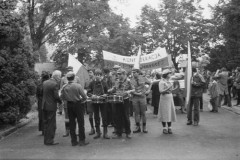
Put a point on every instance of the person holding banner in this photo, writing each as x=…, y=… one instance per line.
x=139, y=100
x=166, y=111
x=198, y=83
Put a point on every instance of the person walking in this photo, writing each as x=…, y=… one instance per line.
x=166, y=111
x=74, y=95
x=49, y=106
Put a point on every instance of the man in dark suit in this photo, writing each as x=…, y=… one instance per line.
x=49, y=106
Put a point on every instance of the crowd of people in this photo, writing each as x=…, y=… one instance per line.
x=110, y=97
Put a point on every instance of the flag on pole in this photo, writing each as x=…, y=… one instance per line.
x=138, y=58
x=188, y=78
x=79, y=69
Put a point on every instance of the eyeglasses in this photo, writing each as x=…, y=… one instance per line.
x=119, y=73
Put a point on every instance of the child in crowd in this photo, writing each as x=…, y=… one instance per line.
x=214, y=93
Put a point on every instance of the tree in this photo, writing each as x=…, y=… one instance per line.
x=227, y=31
x=17, y=74
x=93, y=27
x=172, y=25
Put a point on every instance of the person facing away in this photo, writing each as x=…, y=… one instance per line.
x=74, y=95
x=214, y=94
x=49, y=106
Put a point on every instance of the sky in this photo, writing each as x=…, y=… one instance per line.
x=132, y=8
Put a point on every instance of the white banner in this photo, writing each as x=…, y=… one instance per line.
x=158, y=59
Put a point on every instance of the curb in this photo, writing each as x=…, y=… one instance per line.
x=232, y=109
x=30, y=116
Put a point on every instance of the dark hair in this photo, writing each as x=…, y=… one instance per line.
x=165, y=75
x=71, y=78
x=194, y=69
x=158, y=76
x=106, y=70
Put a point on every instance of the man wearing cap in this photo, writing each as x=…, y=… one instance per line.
x=74, y=95
x=139, y=100
x=63, y=82
x=122, y=87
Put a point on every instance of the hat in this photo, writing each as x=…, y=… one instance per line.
x=69, y=68
x=166, y=71
x=70, y=74
x=121, y=70
x=116, y=67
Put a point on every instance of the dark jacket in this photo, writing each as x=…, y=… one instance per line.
x=197, y=85
x=50, y=95
x=97, y=88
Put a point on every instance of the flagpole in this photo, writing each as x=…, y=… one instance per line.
x=188, y=78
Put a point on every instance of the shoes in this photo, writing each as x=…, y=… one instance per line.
x=60, y=113
x=212, y=111
x=51, y=144
x=170, y=131
x=144, y=129
x=74, y=143
x=183, y=111
x=165, y=131
x=201, y=110
x=128, y=136
x=83, y=143
x=215, y=111
x=189, y=123
x=195, y=123
x=97, y=136
x=116, y=136
x=66, y=134
x=137, y=130
x=92, y=132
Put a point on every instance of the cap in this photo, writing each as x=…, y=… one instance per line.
x=70, y=74
x=166, y=71
x=69, y=68
x=121, y=70
x=116, y=67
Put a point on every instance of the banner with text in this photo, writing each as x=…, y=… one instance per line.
x=147, y=62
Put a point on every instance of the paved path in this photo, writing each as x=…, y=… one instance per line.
x=217, y=137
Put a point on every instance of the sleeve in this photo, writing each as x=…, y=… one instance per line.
x=81, y=92
x=90, y=89
x=161, y=86
x=56, y=95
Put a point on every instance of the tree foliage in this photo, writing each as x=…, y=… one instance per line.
x=227, y=31
x=172, y=25
x=17, y=76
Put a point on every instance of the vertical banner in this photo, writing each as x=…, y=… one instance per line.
x=188, y=78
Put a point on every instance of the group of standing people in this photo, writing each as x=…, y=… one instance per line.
x=102, y=86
